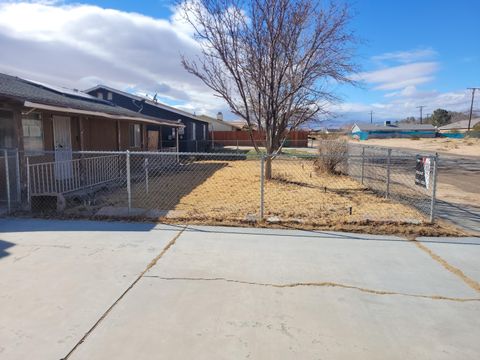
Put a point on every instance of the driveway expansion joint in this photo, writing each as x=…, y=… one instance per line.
x=316, y=284
x=445, y=264
x=105, y=314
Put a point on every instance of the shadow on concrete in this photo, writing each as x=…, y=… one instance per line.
x=4, y=245
x=32, y=225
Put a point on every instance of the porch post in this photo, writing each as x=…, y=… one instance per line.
x=82, y=133
x=119, y=146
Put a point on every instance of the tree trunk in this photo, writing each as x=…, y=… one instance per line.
x=268, y=167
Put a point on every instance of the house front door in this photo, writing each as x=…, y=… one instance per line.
x=152, y=140
x=62, y=139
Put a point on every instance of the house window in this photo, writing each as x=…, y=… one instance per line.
x=109, y=96
x=135, y=135
x=32, y=132
x=204, y=132
x=194, y=131
x=100, y=95
x=7, y=131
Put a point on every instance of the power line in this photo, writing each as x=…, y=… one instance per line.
x=471, y=106
x=421, y=112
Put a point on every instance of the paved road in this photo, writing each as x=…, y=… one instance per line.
x=112, y=290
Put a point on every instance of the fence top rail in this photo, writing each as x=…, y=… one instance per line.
x=71, y=160
x=104, y=154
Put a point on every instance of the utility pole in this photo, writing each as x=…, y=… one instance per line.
x=471, y=106
x=421, y=112
x=371, y=117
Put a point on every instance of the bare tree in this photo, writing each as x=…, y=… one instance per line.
x=272, y=61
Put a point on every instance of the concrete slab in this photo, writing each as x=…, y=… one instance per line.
x=384, y=263
x=59, y=277
x=178, y=319
x=462, y=253
x=220, y=293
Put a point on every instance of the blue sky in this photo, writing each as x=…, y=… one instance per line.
x=412, y=53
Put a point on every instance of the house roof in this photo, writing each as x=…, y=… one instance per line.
x=211, y=120
x=35, y=94
x=148, y=101
x=462, y=124
x=399, y=127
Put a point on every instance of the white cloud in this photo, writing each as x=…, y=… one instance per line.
x=399, y=77
x=406, y=56
x=83, y=45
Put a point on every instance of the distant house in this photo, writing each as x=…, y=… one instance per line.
x=460, y=126
x=193, y=137
x=388, y=130
x=218, y=124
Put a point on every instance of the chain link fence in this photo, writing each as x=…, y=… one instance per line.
x=392, y=173
x=366, y=184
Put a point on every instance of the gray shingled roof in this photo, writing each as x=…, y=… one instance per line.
x=462, y=124
x=399, y=127
x=19, y=89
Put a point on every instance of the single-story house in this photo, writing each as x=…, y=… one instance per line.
x=388, y=130
x=193, y=136
x=46, y=124
x=459, y=126
x=218, y=124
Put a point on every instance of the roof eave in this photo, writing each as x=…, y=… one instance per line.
x=62, y=109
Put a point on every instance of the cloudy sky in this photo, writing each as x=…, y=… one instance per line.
x=412, y=53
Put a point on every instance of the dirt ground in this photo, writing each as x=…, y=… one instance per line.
x=464, y=147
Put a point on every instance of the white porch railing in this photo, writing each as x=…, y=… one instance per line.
x=60, y=177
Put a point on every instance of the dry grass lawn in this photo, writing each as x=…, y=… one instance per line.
x=228, y=192
x=296, y=192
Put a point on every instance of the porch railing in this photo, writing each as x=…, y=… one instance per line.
x=60, y=177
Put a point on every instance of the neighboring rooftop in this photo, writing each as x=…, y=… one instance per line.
x=393, y=127
x=146, y=100
x=460, y=125
x=33, y=93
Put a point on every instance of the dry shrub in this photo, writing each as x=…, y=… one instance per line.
x=332, y=155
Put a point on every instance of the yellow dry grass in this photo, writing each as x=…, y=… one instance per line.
x=296, y=192
x=228, y=193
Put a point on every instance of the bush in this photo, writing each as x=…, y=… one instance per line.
x=332, y=155
x=414, y=138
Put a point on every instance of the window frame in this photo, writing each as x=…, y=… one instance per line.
x=33, y=117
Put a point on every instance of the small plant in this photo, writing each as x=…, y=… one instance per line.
x=414, y=138
x=332, y=155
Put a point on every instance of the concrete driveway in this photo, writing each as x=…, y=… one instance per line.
x=112, y=290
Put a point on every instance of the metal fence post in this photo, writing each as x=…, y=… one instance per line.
x=262, y=187
x=129, y=189
x=434, y=188
x=387, y=195
x=7, y=179
x=363, y=163
x=27, y=159
x=17, y=174
x=145, y=165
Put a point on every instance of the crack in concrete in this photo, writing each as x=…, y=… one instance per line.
x=445, y=264
x=317, y=284
x=104, y=315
